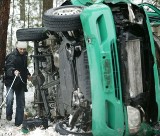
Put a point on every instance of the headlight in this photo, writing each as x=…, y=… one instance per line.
x=134, y=119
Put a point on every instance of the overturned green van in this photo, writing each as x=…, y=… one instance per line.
x=105, y=68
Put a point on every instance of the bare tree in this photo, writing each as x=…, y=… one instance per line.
x=4, y=16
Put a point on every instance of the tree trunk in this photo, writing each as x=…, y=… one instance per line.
x=22, y=10
x=47, y=4
x=4, y=16
x=40, y=8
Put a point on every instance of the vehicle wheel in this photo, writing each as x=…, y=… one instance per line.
x=64, y=18
x=62, y=129
x=31, y=34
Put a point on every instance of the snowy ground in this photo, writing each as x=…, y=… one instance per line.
x=7, y=128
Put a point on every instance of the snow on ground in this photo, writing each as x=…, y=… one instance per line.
x=7, y=128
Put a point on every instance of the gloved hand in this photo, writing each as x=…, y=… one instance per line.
x=16, y=73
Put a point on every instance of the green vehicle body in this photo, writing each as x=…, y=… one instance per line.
x=109, y=113
x=105, y=118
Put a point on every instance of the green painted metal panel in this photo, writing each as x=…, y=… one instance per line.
x=107, y=109
x=76, y=2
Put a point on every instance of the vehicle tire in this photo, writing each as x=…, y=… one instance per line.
x=31, y=34
x=63, y=18
x=60, y=129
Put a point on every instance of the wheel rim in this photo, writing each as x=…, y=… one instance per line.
x=67, y=11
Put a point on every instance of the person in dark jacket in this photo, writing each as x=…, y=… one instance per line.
x=16, y=67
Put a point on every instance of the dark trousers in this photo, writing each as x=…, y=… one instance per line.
x=20, y=104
